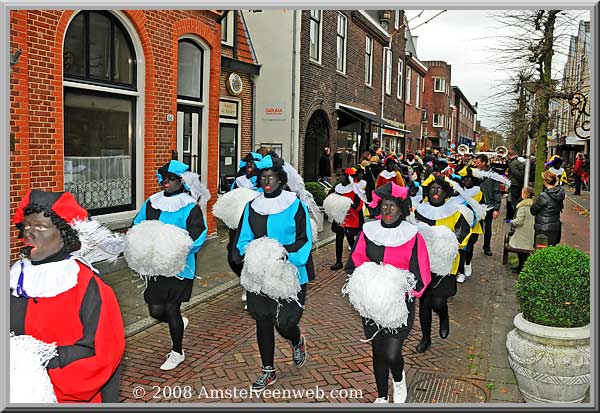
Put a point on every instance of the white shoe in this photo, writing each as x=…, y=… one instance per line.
x=460, y=278
x=245, y=306
x=244, y=296
x=468, y=270
x=174, y=359
x=186, y=321
x=381, y=400
x=400, y=390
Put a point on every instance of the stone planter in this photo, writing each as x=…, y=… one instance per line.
x=552, y=365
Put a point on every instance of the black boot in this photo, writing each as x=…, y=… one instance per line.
x=337, y=266
x=444, y=326
x=423, y=345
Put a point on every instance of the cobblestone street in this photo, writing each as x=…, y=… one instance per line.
x=221, y=351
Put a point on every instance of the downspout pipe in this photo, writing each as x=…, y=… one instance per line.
x=293, y=110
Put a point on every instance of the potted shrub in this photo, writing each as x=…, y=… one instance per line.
x=549, y=349
x=317, y=190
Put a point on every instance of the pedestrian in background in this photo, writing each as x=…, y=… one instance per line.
x=577, y=172
x=325, y=165
x=522, y=225
x=547, y=209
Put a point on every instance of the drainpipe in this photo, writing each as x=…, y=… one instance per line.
x=293, y=110
x=235, y=34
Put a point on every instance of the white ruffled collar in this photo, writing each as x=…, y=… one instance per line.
x=389, y=237
x=170, y=203
x=44, y=280
x=344, y=189
x=434, y=213
x=557, y=172
x=243, y=182
x=269, y=206
x=387, y=174
x=474, y=190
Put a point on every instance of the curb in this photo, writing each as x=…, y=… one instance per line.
x=577, y=203
x=148, y=322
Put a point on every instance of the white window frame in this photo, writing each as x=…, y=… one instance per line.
x=396, y=19
x=408, y=83
x=342, y=17
x=369, y=63
x=442, y=88
x=440, y=122
x=400, y=79
x=388, y=71
x=418, y=91
x=319, y=38
x=229, y=27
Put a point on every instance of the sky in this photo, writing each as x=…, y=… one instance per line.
x=465, y=39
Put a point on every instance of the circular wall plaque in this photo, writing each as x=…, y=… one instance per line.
x=234, y=84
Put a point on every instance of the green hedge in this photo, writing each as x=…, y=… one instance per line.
x=553, y=288
x=317, y=191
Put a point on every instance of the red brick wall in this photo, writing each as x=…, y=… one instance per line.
x=36, y=95
x=412, y=113
x=321, y=86
x=436, y=102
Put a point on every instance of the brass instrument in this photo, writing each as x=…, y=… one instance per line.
x=501, y=151
x=463, y=149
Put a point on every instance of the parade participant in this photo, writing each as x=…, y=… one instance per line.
x=246, y=178
x=390, y=173
x=391, y=240
x=177, y=204
x=436, y=211
x=354, y=219
x=248, y=173
x=472, y=191
x=547, y=209
x=554, y=165
x=415, y=191
x=57, y=297
x=490, y=187
x=279, y=215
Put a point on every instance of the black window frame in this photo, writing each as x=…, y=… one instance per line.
x=193, y=98
x=133, y=100
x=99, y=82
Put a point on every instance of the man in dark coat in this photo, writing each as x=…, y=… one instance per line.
x=325, y=165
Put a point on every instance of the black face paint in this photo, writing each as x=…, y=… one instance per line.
x=42, y=236
x=171, y=184
x=468, y=182
x=437, y=195
x=249, y=168
x=390, y=211
x=345, y=180
x=269, y=181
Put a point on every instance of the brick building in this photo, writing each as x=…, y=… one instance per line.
x=100, y=99
x=415, y=113
x=438, y=99
x=349, y=84
x=464, y=117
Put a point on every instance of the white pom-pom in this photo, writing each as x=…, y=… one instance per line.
x=98, y=243
x=336, y=207
x=442, y=247
x=230, y=206
x=266, y=270
x=153, y=248
x=315, y=231
x=378, y=292
x=29, y=380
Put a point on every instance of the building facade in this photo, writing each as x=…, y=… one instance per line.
x=101, y=99
x=415, y=112
x=464, y=118
x=438, y=101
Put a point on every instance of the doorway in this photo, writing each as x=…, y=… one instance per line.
x=189, y=144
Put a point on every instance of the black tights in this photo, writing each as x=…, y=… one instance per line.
x=387, y=356
x=170, y=313
x=265, y=335
x=427, y=303
x=339, y=244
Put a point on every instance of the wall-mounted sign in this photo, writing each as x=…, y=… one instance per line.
x=393, y=132
x=274, y=111
x=234, y=84
x=228, y=109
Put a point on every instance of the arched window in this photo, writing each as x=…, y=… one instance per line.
x=100, y=98
x=190, y=102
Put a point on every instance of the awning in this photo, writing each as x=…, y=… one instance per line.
x=363, y=114
x=574, y=140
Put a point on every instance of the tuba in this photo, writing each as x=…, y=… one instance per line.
x=501, y=151
x=462, y=149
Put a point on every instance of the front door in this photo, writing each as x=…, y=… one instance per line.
x=227, y=154
x=189, y=147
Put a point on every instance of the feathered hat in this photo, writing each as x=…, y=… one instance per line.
x=97, y=242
